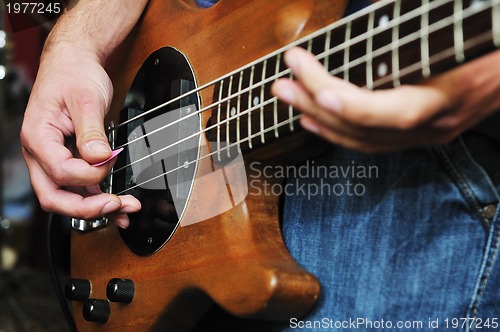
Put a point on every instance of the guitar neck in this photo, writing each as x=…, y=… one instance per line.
x=403, y=42
x=388, y=44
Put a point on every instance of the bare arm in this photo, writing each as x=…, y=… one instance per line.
x=97, y=25
x=70, y=98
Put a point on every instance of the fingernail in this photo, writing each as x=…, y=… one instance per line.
x=329, y=101
x=110, y=207
x=122, y=223
x=97, y=147
x=309, y=125
x=292, y=61
x=128, y=209
x=286, y=95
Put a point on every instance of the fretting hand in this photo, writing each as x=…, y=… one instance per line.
x=433, y=112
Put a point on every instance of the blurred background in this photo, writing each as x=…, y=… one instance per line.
x=27, y=299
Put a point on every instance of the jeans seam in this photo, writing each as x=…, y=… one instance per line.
x=462, y=183
x=490, y=256
x=486, y=176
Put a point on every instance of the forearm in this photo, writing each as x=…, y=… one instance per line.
x=95, y=26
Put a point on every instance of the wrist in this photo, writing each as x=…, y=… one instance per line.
x=65, y=47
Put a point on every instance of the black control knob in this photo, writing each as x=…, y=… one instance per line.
x=95, y=310
x=120, y=290
x=77, y=289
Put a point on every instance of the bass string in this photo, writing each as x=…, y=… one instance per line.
x=438, y=57
x=279, y=125
x=377, y=83
x=349, y=43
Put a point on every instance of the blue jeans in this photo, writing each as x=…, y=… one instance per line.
x=413, y=247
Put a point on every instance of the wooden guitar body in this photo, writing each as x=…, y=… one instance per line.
x=237, y=259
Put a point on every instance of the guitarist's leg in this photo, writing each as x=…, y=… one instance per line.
x=410, y=243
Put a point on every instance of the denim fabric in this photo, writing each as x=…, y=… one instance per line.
x=415, y=246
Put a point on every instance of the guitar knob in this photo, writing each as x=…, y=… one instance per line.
x=120, y=290
x=77, y=289
x=96, y=310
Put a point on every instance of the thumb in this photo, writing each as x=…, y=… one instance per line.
x=91, y=140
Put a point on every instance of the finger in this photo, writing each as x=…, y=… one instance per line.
x=54, y=199
x=121, y=220
x=392, y=139
x=46, y=146
x=87, y=113
x=365, y=146
x=402, y=108
x=291, y=92
x=129, y=204
x=310, y=72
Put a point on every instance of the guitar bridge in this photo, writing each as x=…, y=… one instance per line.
x=106, y=186
x=85, y=226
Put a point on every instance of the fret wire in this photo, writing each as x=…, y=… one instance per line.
x=495, y=20
x=395, y=45
x=347, y=48
x=369, y=51
x=327, y=47
x=250, y=101
x=275, y=105
x=290, y=116
x=309, y=46
x=262, y=137
x=405, y=40
x=227, y=114
x=290, y=108
x=218, y=119
x=424, y=40
x=458, y=32
x=450, y=52
x=238, y=112
x=262, y=104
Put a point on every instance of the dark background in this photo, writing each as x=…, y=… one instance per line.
x=27, y=299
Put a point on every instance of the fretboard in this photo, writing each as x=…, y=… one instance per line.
x=391, y=43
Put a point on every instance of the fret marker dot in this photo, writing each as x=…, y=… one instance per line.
x=186, y=164
x=382, y=69
x=233, y=111
x=256, y=101
x=383, y=21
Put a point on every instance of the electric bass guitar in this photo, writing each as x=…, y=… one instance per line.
x=193, y=112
